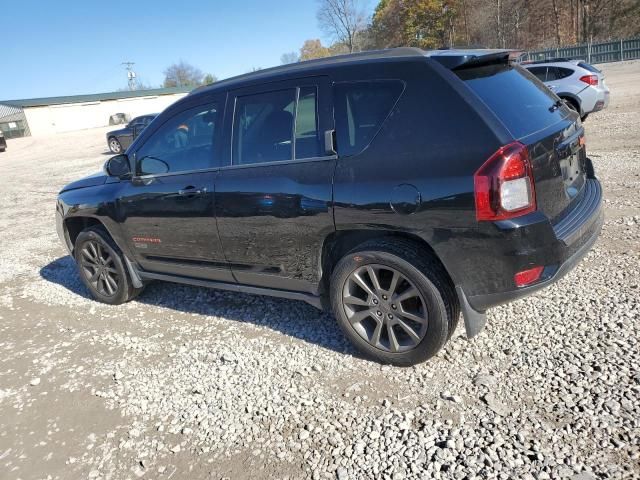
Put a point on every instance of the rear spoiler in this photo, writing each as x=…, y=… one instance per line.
x=459, y=59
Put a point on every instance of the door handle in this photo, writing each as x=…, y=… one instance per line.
x=192, y=191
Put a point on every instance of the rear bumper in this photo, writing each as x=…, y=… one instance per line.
x=566, y=243
x=551, y=275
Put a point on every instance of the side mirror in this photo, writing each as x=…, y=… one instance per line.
x=118, y=166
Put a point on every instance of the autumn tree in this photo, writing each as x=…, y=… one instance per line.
x=343, y=20
x=182, y=74
x=313, y=49
x=417, y=23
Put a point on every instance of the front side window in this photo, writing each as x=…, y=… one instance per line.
x=360, y=110
x=183, y=143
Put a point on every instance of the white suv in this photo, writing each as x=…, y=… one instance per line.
x=579, y=84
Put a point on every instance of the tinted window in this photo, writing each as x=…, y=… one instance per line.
x=591, y=68
x=523, y=106
x=263, y=127
x=360, y=110
x=183, y=143
x=563, y=72
x=540, y=72
x=307, y=134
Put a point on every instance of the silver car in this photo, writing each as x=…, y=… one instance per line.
x=579, y=84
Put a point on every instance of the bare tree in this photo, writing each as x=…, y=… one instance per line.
x=182, y=74
x=344, y=20
x=290, y=57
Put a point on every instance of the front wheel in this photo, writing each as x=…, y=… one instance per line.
x=102, y=269
x=394, y=310
x=114, y=145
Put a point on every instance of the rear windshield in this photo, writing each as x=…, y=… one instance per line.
x=591, y=68
x=522, y=103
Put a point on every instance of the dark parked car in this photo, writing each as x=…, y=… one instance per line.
x=119, y=140
x=3, y=143
x=396, y=188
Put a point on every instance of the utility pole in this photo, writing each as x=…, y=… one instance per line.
x=131, y=75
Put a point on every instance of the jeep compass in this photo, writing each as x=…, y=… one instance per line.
x=400, y=189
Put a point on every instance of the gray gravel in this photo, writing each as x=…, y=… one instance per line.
x=194, y=383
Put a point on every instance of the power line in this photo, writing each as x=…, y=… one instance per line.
x=131, y=75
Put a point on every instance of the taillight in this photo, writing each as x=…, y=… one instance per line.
x=590, y=79
x=504, y=186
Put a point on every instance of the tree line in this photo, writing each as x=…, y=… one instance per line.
x=429, y=24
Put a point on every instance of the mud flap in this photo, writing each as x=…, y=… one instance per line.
x=474, y=321
x=136, y=281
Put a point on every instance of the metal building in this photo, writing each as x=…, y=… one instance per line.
x=46, y=116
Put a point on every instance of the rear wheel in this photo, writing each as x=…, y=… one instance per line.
x=114, y=145
x=393, y=310
x=102, y=268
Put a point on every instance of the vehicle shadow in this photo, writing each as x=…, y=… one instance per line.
x=293, y=318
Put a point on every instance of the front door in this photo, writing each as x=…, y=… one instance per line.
x=167, y=209
x=273, y=198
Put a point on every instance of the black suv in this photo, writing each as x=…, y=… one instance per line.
x=396, y=188
x=119, y=140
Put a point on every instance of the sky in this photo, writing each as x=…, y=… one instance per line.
x=65, y=47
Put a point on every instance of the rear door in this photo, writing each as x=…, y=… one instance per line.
x=273, y=197
x=536, y=118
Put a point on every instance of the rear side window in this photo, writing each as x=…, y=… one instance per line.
x=563, y=72
x=360, y=110
x=263, y=127
x=539, y=72
x=523, y=106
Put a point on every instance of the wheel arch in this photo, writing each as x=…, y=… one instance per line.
x=74, y=225
x=340, y=242
x=574, y=99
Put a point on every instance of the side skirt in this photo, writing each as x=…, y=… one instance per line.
x=234, y=287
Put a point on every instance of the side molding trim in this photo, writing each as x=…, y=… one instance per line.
x=234, y=287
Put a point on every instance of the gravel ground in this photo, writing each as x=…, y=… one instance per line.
x=188, y=383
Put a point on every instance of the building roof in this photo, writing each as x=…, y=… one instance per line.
x=93, y=97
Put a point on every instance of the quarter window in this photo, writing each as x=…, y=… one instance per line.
x=360, y=110
x=183, y=143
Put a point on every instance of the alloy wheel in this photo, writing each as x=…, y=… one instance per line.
x=385, y=308
x=99, y=268
x=114, y=145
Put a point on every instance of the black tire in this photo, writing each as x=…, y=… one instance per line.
x=584, y=117
x=95, y=243
x=420, y=270
x=114, y=145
